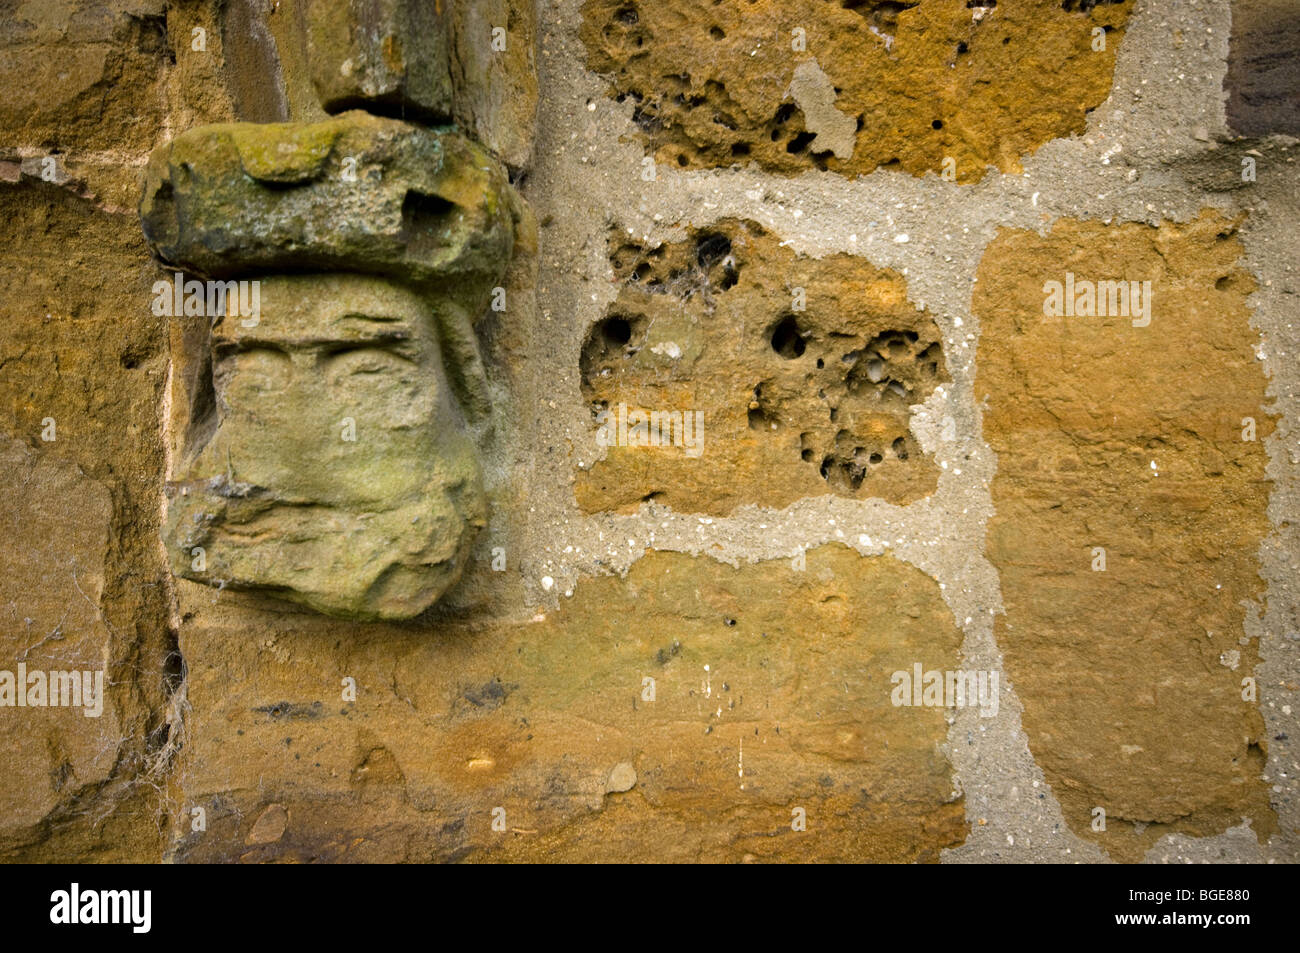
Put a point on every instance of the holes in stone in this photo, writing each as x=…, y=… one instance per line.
x=606, y=350
x=623, y=30
x=424, y=219
x=647, y=120
x=787, y=339
x=761, y=416
x=929, y=359
x=891, y=367
x=717, y=33
x=852, y=412
x=711, y=248
x=132, y=357
x=740, y=149
x=869, y=385
x=1085, y=6
x=882, y=14
x=937, y=124
x=962, y=48
x=800, y=143
x=844, y=474
x=682, y=160
x=616, y=331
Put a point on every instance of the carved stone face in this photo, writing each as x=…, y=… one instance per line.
x=339, y=472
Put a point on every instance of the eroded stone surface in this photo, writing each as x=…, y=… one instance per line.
x=1107, y=436
x=79, y=347
x=493, y=46
x=755, y=711
x=919, y=82
x=354, y=193
x=803, y=371
x=50, y=589
x=338, y=472
x=1263, y=79
x=380, y=55
x=472, y=63
x=84, y=85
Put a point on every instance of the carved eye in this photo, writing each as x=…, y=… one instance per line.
x=367, y=358
x=259, y=369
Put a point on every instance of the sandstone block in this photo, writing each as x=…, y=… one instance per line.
x=52, y=583
x=730, y=371
x=550, y=729
x=493, y=48
x=384, y=56
x=926, y=86
x=1263, y=78
x=1129, y=514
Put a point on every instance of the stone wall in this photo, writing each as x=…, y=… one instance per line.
x=825, y=430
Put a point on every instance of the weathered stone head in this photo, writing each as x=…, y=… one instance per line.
x=337, y=465
x=340, y=472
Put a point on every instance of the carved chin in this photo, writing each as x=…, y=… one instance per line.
x=383, y=564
